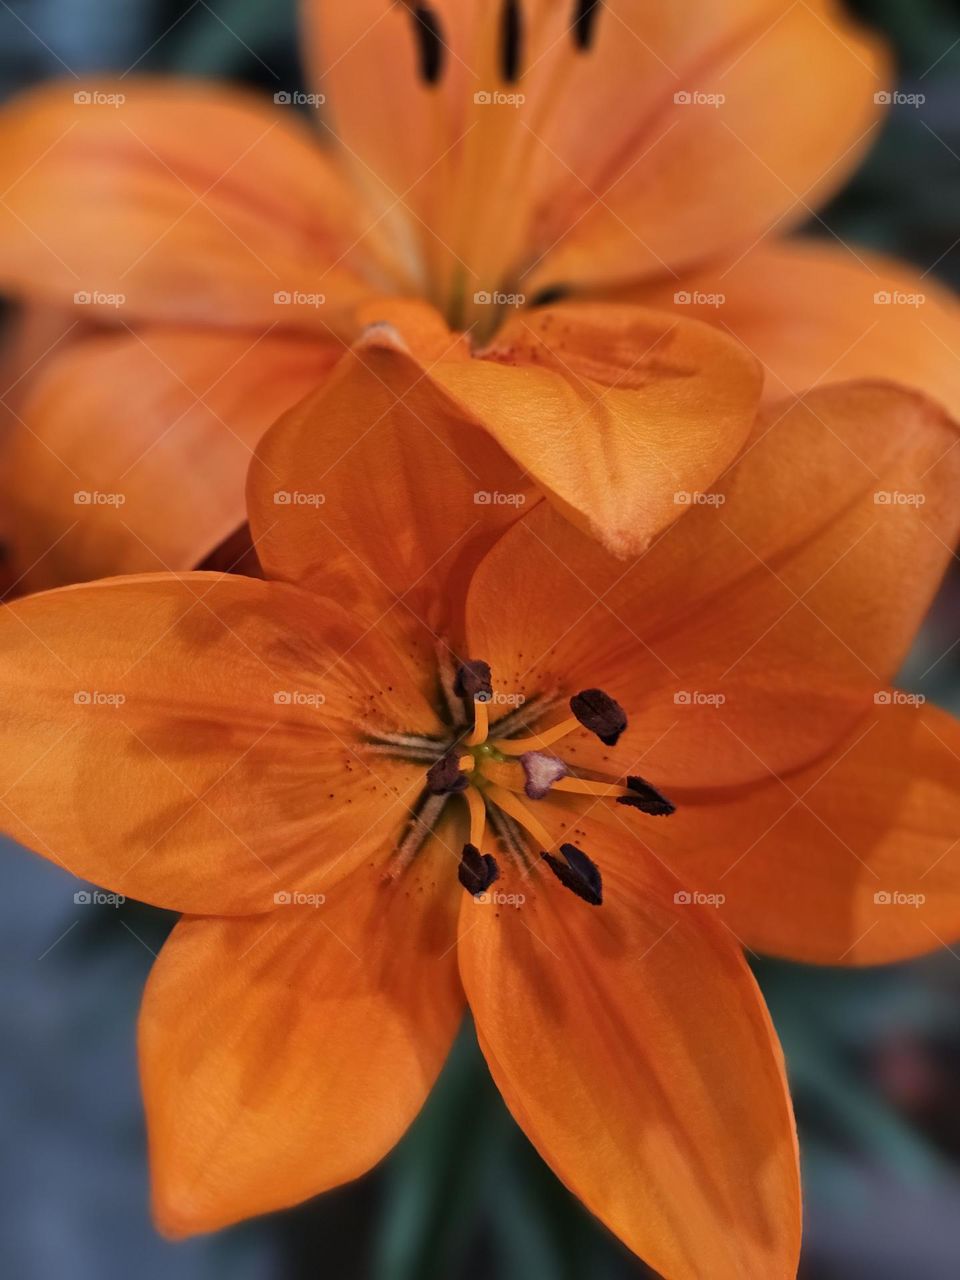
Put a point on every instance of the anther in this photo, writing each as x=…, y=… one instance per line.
x=645, y=797
x=585, y=17
x=474, y=681
x=511, y=37
x=541, y=772
x=578, y=873
x=446, y=777
x=477, y=871
x=428, y=35
x=599, y=713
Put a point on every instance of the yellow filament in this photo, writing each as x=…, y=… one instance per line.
x=584, y=787
x=481, y=724
x=537, y=741
x=514, y=806
x=478, y=816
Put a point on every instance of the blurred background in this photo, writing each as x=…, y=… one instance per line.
x=874, y=1057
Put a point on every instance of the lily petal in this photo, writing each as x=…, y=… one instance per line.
x=758, y=629
x=179, y=203
x=201, y=736
x=613, y=410
x=730, y=144
x=852, y=861
x=379, y=492
x=631, y=1044
x=131, y=449
x=283, y=1056
x=815, y=312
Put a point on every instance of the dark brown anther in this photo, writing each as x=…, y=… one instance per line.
x=430, y=47
x=599, y=713
x=477, y=871
x=511, y=40
x=446, y=777
x=474, y=681
x=584, y=24
x=579, y=873
x=645, y=797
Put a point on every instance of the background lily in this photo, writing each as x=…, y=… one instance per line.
x=318, y=771
x=226, y=257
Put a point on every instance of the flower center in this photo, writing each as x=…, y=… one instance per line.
x=500, y=770
x=478, y=246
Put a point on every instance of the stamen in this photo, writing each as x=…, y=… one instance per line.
x=542, y=772
x=478, y=816
x=512, y=804
x=519, y=746
x=644, y=796
x=429, y=39
x=585, y=17
x=511, y=37
x=474, y=681
x=578, y=873
x=477, y=871
x=599, y=713
x=481, y=724
x=446, y=777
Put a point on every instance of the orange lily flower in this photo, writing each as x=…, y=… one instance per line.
x=433, y=760
x=481, y=154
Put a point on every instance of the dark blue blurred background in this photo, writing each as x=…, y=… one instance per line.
x=874, y=1057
